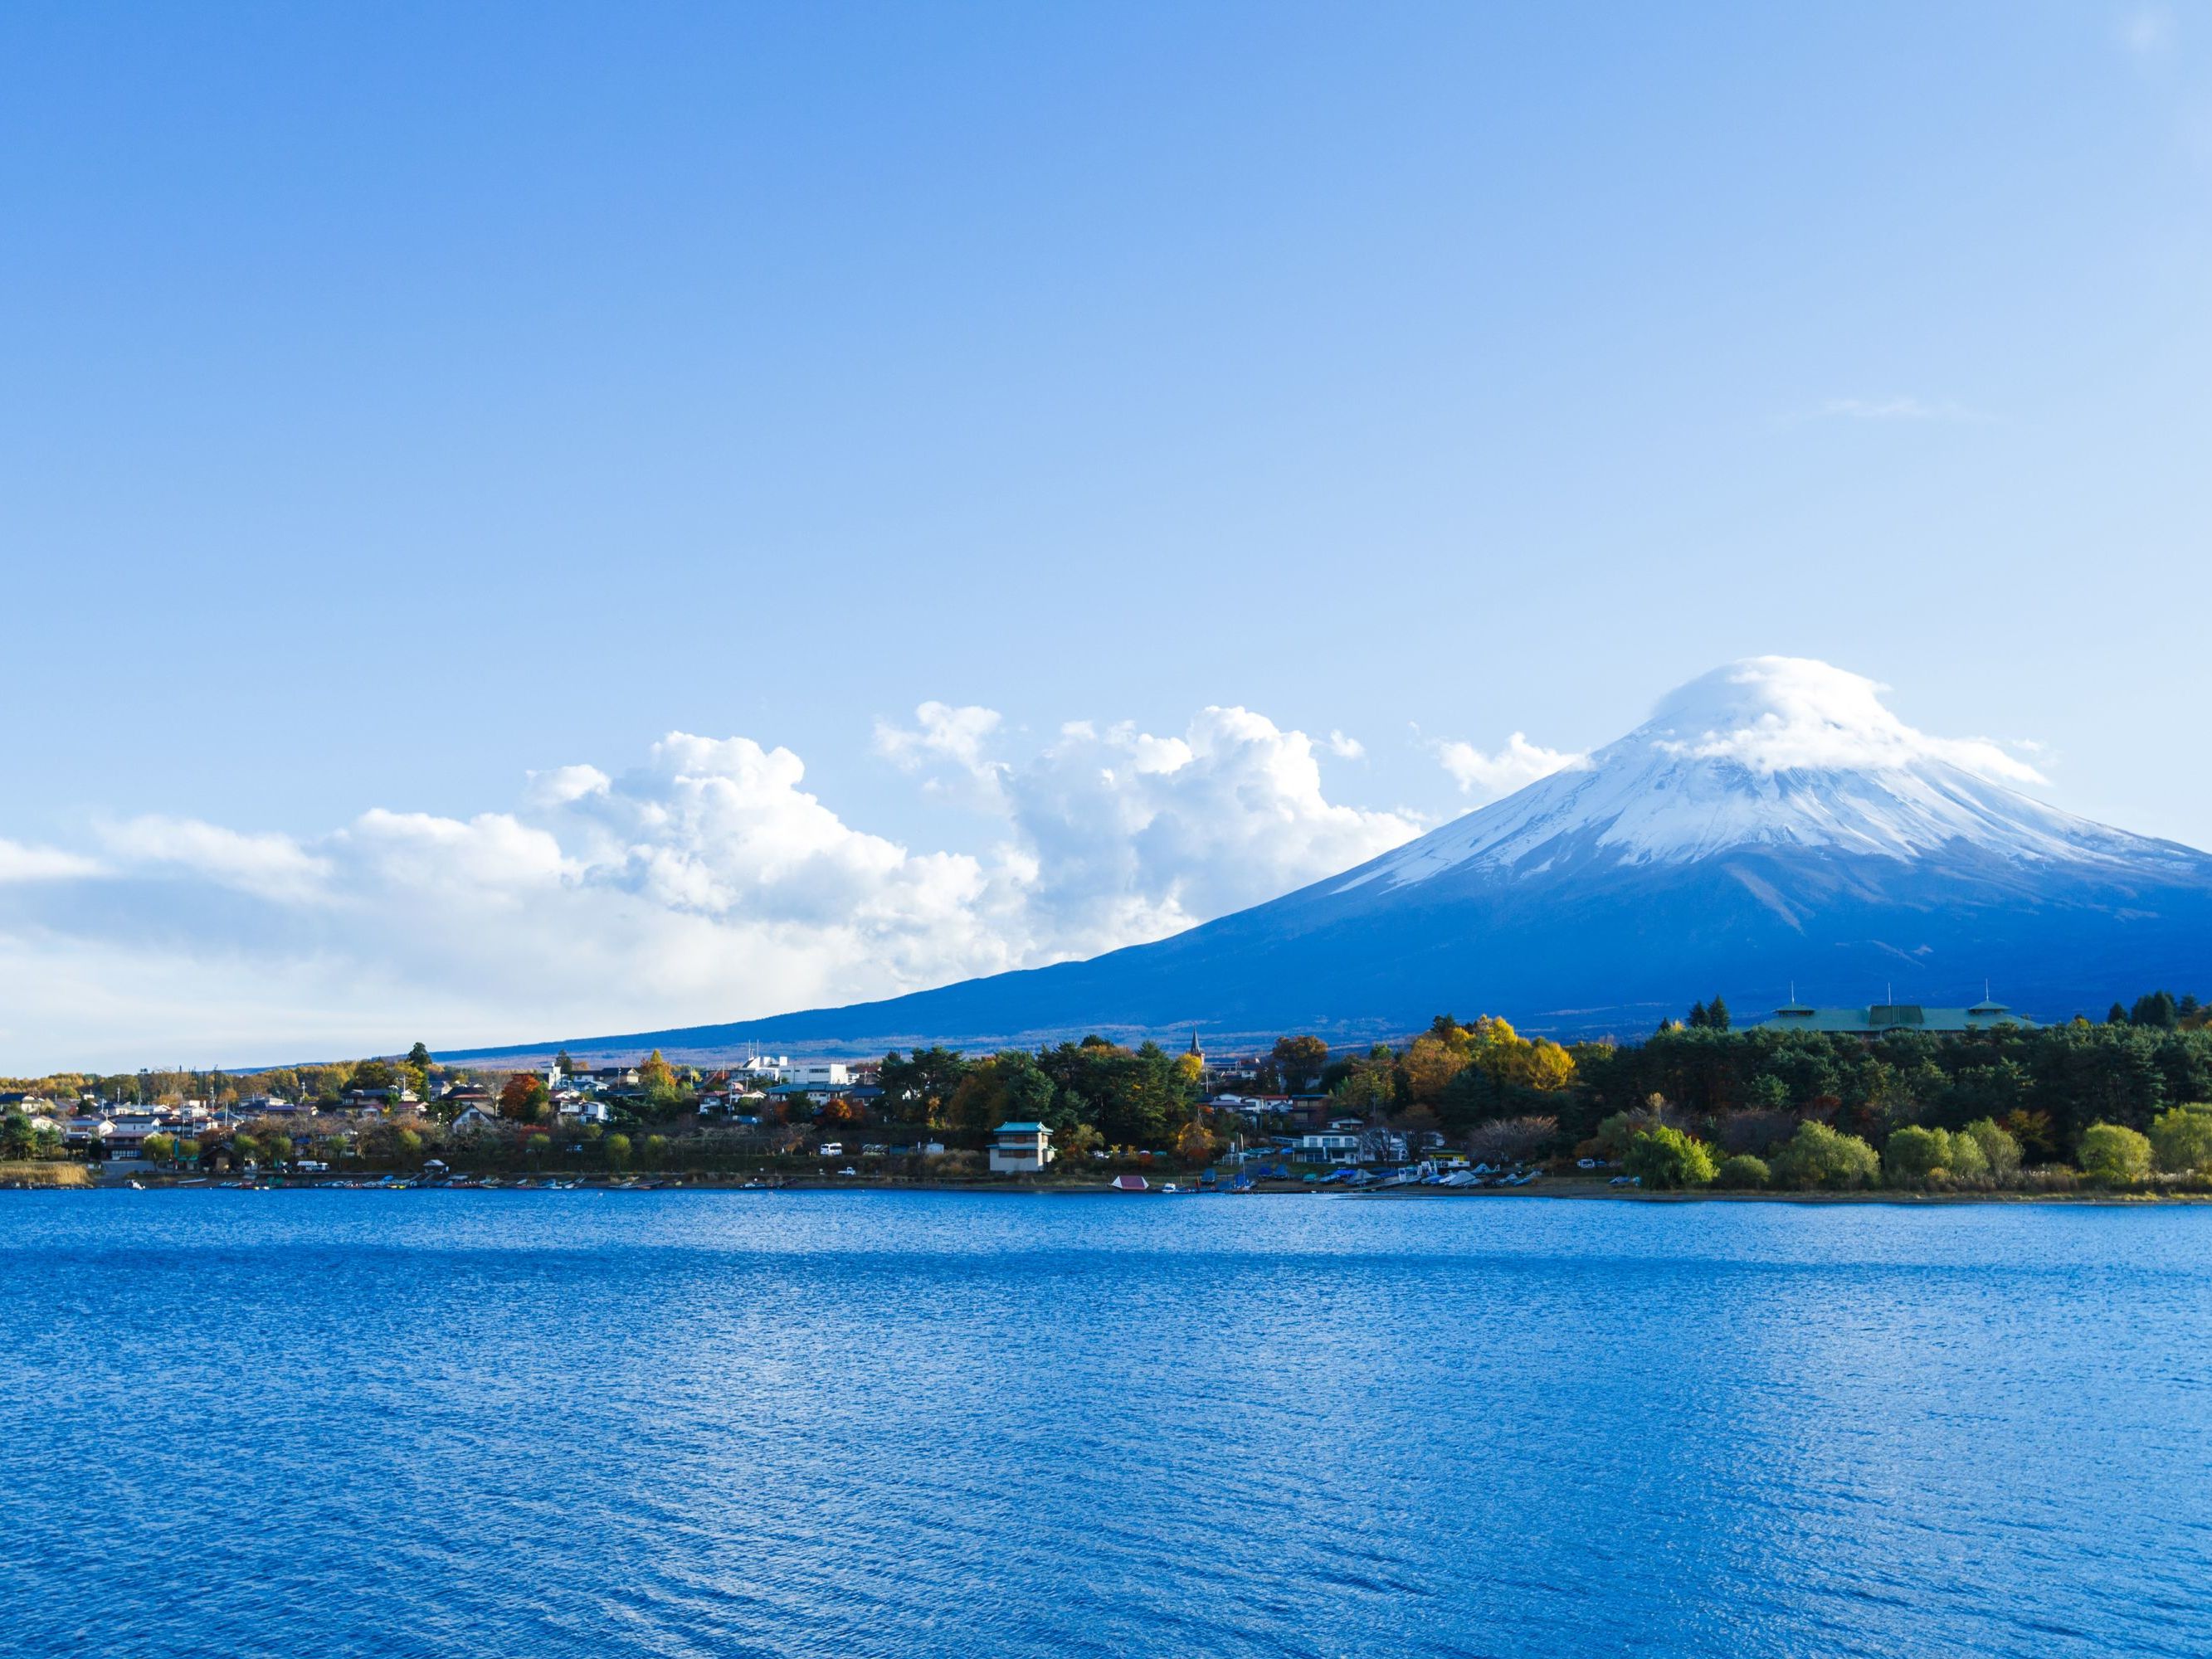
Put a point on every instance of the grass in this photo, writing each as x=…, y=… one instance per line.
x=27, y=1174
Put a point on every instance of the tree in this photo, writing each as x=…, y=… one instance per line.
x=1716, y=1014
x=1742, y=1173
x=161, y=1148
x=1699, y=1021
x=1818, y=1156
x=919, y=1089
x=523, y=1097
x=563, y=1065
x=2000, y=1151
x=655, y=1152
x=657, y=1077
x=16, y=1135
x=615, y=1150
x=1367, y=1091
x=1298, y=1062
x=374, y=1074
x=1511, y=1139
x=1078, y=1140
x=2111, y=1153
x=419, y=1057
x=2181, y=1140
x=2158, y=1009
x=1195, y=1142
x=1666, y=1160
x=1913, y=1152
x=535, y=1147
x=2116, y=1016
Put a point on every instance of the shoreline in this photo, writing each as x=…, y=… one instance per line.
x=1568, y=1189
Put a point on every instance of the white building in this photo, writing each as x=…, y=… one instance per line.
x=1333, y=1147
x=1020, y=1148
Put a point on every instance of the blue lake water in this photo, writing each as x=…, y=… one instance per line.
x=689, y=1424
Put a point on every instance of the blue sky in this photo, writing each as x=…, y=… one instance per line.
x=402, y=402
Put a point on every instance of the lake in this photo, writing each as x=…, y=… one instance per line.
x=689, y=1423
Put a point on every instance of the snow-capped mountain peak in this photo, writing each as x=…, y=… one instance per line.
x=1770, y=753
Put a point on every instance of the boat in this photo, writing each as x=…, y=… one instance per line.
x=1129, y=1183
x=137, y=1185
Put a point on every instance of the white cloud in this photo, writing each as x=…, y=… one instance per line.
x=1346, y=748
x=1782, y=714
x=951, y=743
x=705, y=884
x=1137, y=835
x=269, y=865
x=1518, y=764
x=21, y=863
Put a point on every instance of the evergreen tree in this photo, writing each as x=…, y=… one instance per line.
x=418, y=1056
x=2118, y=1016
x=2158, y=1009
x=1698, y=1019
x=1716, y=1014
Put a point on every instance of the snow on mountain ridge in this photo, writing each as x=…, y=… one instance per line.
x=1773, y=752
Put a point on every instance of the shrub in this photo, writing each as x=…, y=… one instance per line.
x=2181, y=1140
x=1913, y=1151
x=1817, y=1156
x=1999, y=1150
x=1665, y=1160
x=1965, y=1155
x=2112, y=1153
x=1615, y=1135
x=1742, y=1173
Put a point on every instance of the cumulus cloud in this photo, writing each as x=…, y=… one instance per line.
x=1136, y=835
x=1346, y=748
x=951, y=745
x=706, y=882
x=1518, y=764
x=1784, y=714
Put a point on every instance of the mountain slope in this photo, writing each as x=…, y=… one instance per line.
x=1772, y=823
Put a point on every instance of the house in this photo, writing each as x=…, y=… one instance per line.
x=1020, y=1148
x=88, y=1133
x=462, y=1095
x=127, y=1133
x=1880, y=1019
x=585, y=1108
x=475, y=1120
x=376, y=1100
x=1326, y=1146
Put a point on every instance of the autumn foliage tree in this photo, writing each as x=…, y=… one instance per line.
x=523, y=1097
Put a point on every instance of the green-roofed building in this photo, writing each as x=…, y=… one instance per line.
x=1880, y=1019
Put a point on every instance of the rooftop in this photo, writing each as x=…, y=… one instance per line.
x=1876, y=1019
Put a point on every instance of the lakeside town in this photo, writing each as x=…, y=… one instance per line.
x=1887, y=1097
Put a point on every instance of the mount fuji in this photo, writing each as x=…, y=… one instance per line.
x=1772, y=823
